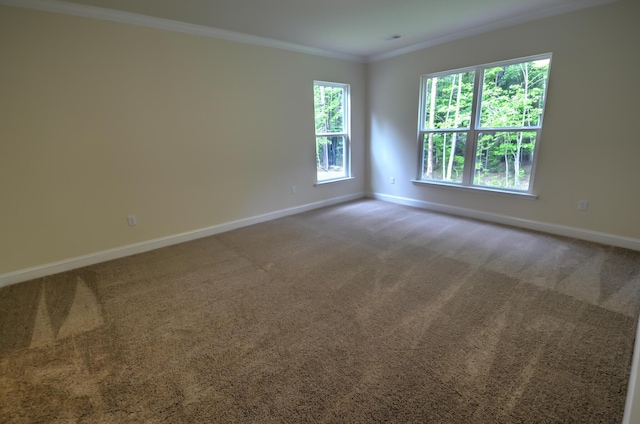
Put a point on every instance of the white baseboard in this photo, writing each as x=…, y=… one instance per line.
x=145, y=246
x=561, y=230
x=132, y=249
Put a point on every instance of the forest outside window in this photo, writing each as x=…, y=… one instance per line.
x=481, y=126
x=331, y=107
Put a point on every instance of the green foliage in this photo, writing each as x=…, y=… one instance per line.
x=503, y=159
x=447, y=101
x=441, y=150
x=329, y=108
x=512, y=101
x=513, y=96
x=330, y=153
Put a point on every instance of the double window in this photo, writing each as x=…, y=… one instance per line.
x=481, y=126
x=331, y=106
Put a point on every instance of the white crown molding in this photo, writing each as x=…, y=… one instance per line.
x=76, y=9
x=103, y=14
x=505, y=23
x=561, y=230
x=132, y=249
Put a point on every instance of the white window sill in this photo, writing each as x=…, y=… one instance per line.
x=337, y=180
x=518, y=194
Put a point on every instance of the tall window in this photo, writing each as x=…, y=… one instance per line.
x=481, y=126
x=331, y=106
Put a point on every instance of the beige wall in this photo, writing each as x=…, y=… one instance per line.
x=590, y=147
x=99, y=120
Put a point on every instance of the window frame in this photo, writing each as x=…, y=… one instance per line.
x=474, y=129
x=346, y=133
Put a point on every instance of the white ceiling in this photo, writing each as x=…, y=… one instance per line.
x=358, y=28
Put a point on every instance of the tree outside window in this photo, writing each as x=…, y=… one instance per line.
x=331, y=107
x=481, y=126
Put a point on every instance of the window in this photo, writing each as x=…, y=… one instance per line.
x=481, y=126
x=331, y=106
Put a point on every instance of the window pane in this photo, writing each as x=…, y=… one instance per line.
x=443, y=156
x=513, y=95
x=330, y=158
x=329, y=109
x=504, y=159
x=448, y=101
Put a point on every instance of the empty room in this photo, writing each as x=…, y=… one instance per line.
x=301, y=211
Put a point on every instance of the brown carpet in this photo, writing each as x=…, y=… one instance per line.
x=361, y=312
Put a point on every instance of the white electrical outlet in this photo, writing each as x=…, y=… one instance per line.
x=132, y=220
x=392, y=180
x=293, y=189
x=582, y=205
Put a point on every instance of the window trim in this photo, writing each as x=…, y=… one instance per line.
x=346, y=133
x=473, y=130
x=483, y=189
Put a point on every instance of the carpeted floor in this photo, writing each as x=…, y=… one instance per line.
x=361, y=312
